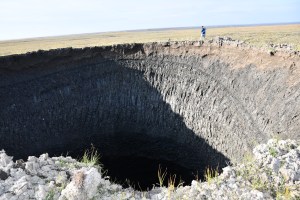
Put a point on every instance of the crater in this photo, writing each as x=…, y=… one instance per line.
x=181, y=106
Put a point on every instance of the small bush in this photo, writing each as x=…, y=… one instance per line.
x=91, y=157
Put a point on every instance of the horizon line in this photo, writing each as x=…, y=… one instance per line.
x=154, y=29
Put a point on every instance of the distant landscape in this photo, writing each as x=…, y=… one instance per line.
x=259, y=36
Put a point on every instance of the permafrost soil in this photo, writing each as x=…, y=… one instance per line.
x=186, y=104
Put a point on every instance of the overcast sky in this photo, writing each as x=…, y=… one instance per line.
x=36, y=18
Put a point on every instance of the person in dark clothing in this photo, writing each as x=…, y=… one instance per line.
x=203, y=32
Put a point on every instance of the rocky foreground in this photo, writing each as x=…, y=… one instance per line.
x=271, y=172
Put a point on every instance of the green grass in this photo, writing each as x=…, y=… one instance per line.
x=285, y=193
x=258, y=36
x=172, y=182
x=254, y=174
x=161, y=176
x=50, y=195
x=210, y=174
x=273, y=152
x=91, y=157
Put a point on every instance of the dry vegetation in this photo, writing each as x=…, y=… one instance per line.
x=255, y=35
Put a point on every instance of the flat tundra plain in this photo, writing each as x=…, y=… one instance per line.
x=259, y=36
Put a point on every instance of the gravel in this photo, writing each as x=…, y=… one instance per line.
x=271, y=172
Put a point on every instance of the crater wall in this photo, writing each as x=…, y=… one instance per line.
x=200, y=103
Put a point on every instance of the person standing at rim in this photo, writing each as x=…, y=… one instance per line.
x=203, y=32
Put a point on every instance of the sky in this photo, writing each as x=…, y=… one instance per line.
x=40, y=18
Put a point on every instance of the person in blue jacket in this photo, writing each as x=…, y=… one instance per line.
x=203, y=32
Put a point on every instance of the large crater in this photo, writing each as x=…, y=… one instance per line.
x=181, y=105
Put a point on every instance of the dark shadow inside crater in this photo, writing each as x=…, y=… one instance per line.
x=141, y=173
x=140, y=169
x=140, y=157
x=113, y=107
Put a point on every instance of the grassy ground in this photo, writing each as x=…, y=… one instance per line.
x=255, y=35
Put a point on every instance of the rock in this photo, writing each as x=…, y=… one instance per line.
x=227, y=172
x=3, y=175
x=275, y=165
x=32, y=167
x=42, y=192
x=32, y=159
x=7, y=196
x=83, y=185
x=61, y=178
x=88, y=183
x=5, y=161
x=2, y=189
x=20, y=186
x=44, y=157
x=20, y=164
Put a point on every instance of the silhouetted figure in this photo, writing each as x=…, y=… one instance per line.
x=203, y=32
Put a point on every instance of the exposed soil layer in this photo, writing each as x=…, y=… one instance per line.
x=184, y=103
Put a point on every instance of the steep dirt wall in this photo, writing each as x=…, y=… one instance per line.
x=196, y=103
